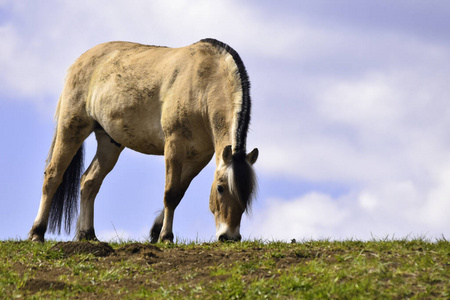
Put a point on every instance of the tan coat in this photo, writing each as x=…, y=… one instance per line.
x=184, y=103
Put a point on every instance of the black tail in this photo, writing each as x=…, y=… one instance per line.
x=65, y=200
x=156, y=228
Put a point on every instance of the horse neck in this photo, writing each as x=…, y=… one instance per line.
x=223, y=113
x=219, y=146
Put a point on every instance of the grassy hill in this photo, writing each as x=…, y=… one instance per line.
x=248, y=270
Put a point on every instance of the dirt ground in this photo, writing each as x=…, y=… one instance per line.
x=84, y=270
x=148, y=265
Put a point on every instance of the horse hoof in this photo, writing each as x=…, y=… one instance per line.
x=167, y=238
x=88, y=235
x=36, y=238
x=37, y=233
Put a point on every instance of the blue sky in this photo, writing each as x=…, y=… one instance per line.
x=350, y=114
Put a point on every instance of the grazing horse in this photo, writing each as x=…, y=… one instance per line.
x=184, y=103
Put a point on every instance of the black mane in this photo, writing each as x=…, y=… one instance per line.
x=244, y=114
x=244, y=179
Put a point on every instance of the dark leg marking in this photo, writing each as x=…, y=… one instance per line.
x=115, y=143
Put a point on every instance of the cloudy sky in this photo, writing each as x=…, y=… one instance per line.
x=350, y=114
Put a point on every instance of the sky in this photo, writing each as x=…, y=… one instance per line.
x=350, y=114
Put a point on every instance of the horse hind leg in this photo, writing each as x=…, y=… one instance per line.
x=63, y=164
x=105, y=159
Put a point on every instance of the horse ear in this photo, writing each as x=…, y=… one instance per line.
x=253, y=156
x=227, y=154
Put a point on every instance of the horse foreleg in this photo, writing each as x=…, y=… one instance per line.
x=104, y=161
x=174, y=154
x=180, y=170
x=173, y=194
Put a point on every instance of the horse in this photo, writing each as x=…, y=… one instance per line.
x=187, y=104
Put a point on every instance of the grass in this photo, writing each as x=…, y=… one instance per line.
x=382, y=269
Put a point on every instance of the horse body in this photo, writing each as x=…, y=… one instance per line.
x=184, y=103
x=133, y=89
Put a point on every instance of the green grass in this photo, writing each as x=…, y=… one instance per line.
x=396, y=269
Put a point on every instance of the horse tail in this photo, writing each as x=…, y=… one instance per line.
x=156, y=228
x=65, y=201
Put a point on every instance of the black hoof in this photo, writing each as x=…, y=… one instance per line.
x=88, y=235
x=36, y=238
x=167, y=238
x=37, y=234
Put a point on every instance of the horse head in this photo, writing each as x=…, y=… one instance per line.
x=232, y=191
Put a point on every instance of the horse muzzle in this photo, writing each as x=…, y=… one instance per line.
x=225, y=233
x=226, y=238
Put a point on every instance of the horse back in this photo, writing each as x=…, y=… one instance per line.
x=142, y=94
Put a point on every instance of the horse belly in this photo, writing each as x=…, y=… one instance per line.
x=131, y=121
x=143, y=138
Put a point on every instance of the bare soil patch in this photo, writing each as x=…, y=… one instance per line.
x=147, y=265
x=98, y=249
x=36, y=285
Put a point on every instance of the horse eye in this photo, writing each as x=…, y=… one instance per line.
x=220, y=189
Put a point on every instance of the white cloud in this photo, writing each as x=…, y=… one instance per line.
x=396, y=209
x=41, y=40
x=310, y=217
x=436, y=208
x=384, y=137
x=380, y=123
x=380, y=130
